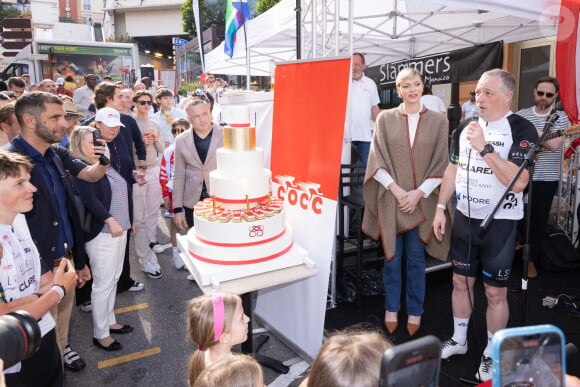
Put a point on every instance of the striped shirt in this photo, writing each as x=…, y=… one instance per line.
x=119, y=209
x=547, y=167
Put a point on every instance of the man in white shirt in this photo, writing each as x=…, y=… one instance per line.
x=83, y=96
x=468, y=106
x=433, y=102
x=364, y=107
x=166, y=114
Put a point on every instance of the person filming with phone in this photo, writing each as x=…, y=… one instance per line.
x=485, y=154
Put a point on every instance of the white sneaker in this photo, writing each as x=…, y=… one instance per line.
x=450, y=348
x=136, y=287
x=86, y=307
x=485, y=369
x=177, y=259
x=151, y=270
x=156, y=247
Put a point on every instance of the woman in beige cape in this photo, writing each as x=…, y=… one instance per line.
x=407, y=159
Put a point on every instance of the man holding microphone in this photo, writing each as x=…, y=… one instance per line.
x=485, y=155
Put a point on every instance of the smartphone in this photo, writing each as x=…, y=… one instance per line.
x=413, y=364
x=529, y=356
x=97, y=136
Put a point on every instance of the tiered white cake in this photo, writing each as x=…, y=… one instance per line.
x=240, y=225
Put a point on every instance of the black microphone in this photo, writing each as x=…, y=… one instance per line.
x=475, y=114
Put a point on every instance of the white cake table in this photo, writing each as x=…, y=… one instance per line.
x=245, y=286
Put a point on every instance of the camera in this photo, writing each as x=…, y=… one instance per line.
x=20, y=337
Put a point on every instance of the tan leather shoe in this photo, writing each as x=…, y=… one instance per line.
x=412, y=328
x=391, y=326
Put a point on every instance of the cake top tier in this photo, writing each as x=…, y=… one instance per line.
x=239, y=116
x=238, y=134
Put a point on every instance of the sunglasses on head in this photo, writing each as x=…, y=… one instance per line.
x=541, y=94
x=200, y=93
x=68, y=116
x=143, y=103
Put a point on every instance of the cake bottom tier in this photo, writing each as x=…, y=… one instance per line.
x=212, y=273
x=239, y=255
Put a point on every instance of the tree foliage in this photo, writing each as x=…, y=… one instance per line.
x=264, y=5
x=7, y=10
x=212, y=13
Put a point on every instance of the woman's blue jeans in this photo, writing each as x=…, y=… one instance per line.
x=410, y=244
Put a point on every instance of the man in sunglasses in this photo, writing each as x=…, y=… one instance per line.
x=547, y=168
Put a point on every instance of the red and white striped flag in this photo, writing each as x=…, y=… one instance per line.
x=568, y=57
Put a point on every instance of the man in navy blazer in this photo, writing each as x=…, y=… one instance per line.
x=54, y=221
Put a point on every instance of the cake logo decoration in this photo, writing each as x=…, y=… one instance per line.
x=256, y=231
x=307, y=195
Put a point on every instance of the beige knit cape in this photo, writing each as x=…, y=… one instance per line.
x=409, y=166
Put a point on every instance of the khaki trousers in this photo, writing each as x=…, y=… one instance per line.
x=61, y=313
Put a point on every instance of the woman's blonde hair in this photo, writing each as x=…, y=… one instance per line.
x=232, y=371
x=200, y=327
x=76, y=143
x=407, y=73
x=349, y=358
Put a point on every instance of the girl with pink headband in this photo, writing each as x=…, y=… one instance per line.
x=216, y=322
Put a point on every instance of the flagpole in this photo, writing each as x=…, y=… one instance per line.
x=248, y=86
x=197, y=16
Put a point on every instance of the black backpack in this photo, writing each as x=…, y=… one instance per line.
x=558, y=252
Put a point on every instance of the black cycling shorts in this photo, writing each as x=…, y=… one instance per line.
x=494, y=249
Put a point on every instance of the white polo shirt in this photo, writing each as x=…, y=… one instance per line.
x=363, y=96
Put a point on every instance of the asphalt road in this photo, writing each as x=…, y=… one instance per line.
x=156, y=353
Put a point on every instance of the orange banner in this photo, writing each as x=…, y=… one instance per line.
x=309, y=112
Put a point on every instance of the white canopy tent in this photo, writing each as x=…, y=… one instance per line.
x=385, y=31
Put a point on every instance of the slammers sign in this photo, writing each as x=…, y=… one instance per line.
x=435, y=69
x=450, y=67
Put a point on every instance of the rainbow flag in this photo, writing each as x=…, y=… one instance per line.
x=237, y=12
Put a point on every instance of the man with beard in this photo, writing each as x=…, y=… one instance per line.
x=54, y=224
x=547, y=168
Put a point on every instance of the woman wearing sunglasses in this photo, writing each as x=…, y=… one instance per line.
x=146, y=198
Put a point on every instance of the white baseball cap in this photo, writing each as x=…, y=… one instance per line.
x=109, y=117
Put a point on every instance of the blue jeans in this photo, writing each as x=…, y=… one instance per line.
x=362, y=147
x=415, y=293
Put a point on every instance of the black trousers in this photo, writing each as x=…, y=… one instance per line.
x=542, y=195
x=43, y=369
x=188, y=216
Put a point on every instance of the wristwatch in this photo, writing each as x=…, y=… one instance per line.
x=488, y=148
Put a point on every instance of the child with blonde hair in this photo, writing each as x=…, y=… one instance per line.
x=232, y=371
x=215, y=322
x=348, y=358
